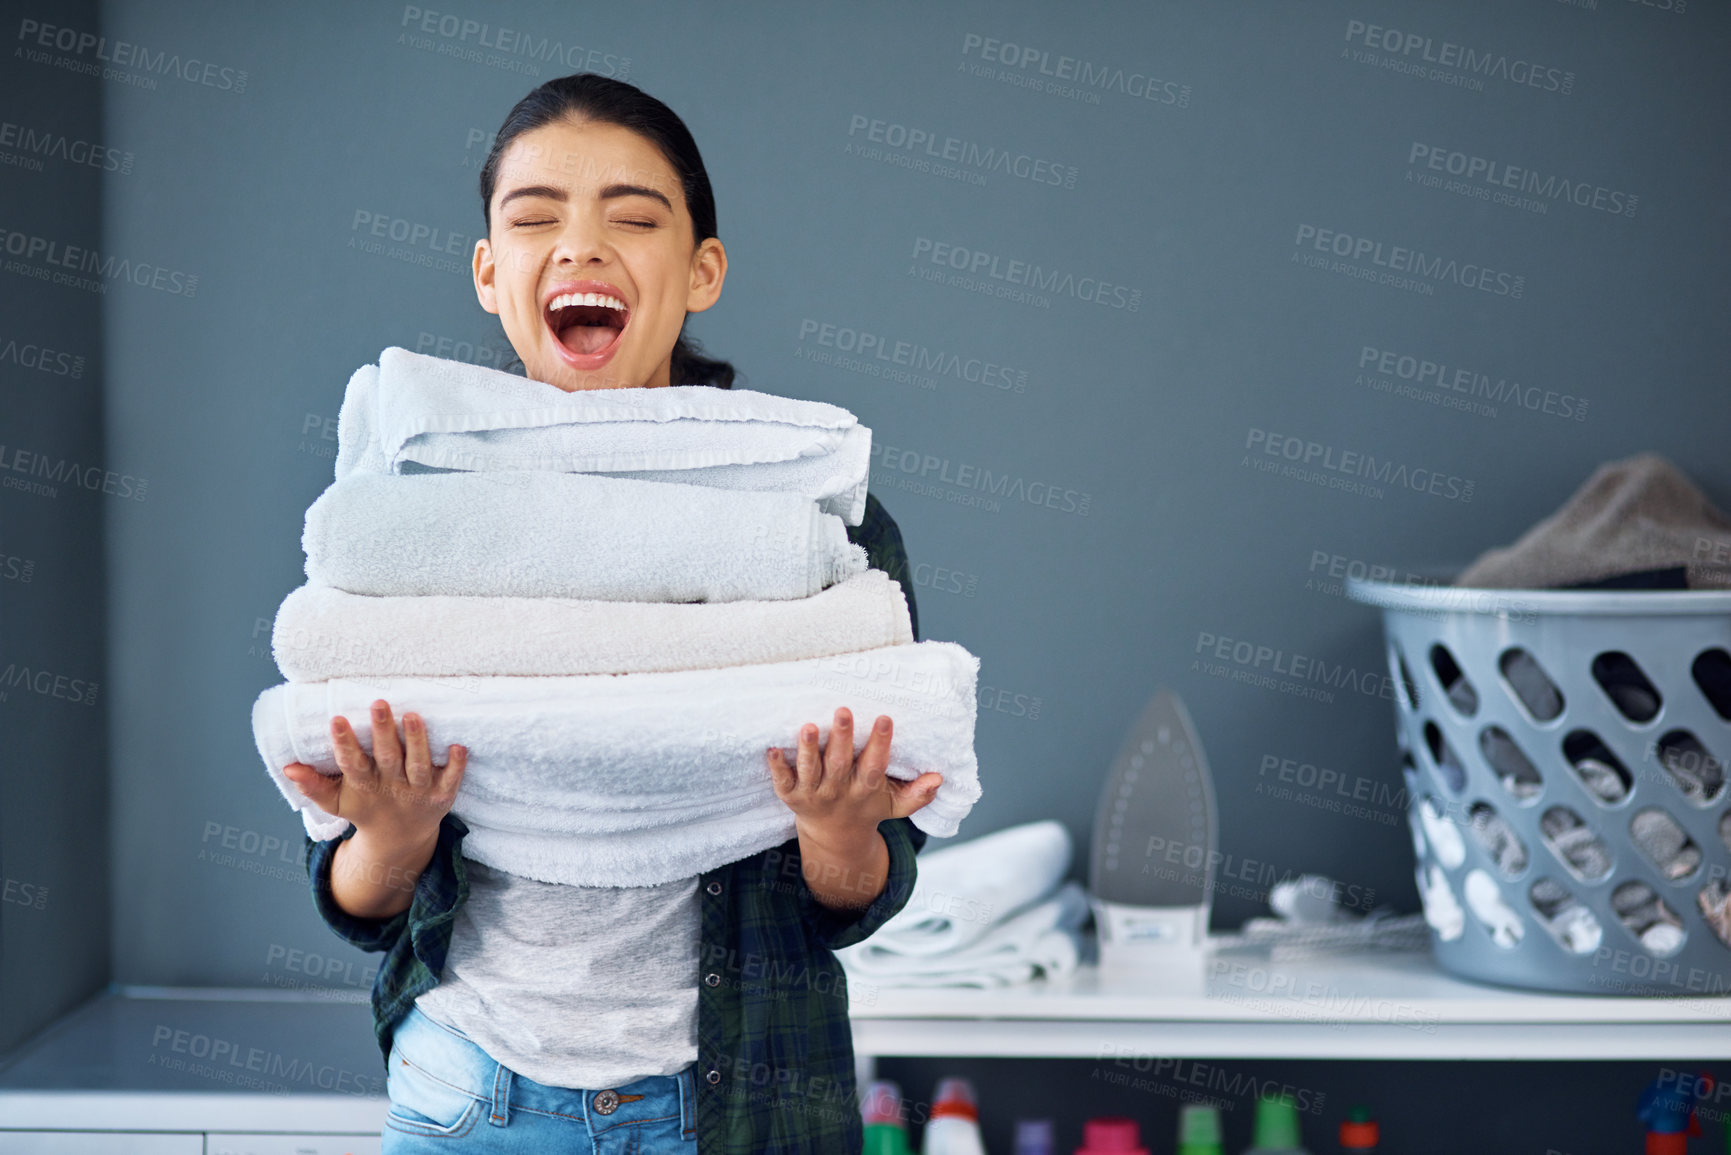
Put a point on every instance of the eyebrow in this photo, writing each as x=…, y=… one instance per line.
x=553, y=192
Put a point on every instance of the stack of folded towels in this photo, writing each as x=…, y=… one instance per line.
x=990, y=912
x=616, y=600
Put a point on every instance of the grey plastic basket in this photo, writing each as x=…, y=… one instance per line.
x=1565, y=756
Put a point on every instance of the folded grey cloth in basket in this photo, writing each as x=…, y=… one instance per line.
x=1638, y=516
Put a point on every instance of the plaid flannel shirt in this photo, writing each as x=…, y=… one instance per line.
x=775, y=1069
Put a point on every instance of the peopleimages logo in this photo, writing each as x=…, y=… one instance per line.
x=1451, y=59
x=417, y=243
x=906, y=141
x=1077, y=77
x=64, y=472
x=912, y=355
x=83, y=259
x=42, y=359
x=922, y=466
x=1398, y=259
x=978, y=263
x=463, y=38
x=1515, y=185
x=1273, y=668
x=1353, y=464
x=109, y=58
x=1423, y=373
x=47, y=683
x=33, y=143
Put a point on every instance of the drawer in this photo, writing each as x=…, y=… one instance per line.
x=102, y=1143
x=234, y=1143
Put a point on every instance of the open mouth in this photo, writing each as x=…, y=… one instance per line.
x=586, y=323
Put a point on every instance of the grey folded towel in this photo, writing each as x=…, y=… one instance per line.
x=1635, y=523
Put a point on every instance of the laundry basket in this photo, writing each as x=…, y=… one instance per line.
x=1565, y=760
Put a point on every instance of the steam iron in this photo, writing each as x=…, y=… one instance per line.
x=1151, y=874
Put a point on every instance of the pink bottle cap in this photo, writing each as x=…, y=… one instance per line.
x=1111, y=1135
x=882, y=1103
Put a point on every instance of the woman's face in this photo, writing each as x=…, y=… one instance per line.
x=590, y=262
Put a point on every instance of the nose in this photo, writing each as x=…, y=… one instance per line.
x=582, y=241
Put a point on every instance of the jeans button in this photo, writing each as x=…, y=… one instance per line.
x=713, y=1077
x=713, y=888
x=711, y=980
x=606, y=1102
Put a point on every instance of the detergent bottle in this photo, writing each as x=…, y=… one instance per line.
x=1034, y=1137
x=954, y=1128
x=885, y=1131
x=1667, y=1106
x=1111, y=1135
x=1199, y=1130
x=1276, y=1130
x=1359, y=1131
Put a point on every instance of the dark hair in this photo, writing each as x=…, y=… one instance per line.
x=591, y=96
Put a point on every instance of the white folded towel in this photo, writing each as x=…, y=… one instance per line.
x=432, y=412
x=962, y=891
x=323, y=632
x=1043, y=940
x=531, y=534
x=639, y=779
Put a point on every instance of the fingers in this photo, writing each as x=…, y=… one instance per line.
x=808, y=760
x=456, y=761
x=351, y=759
x=780, y=773
x=805, y=773
x=387, y=754
x=907, y=797
x=833, y=769
x=875, y=758
x=838, y=755
x=323, y=789
x=417, y=760
x=835, y=784
x=444, y=780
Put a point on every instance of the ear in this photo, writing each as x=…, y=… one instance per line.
x=708, y=271
x=484, y=270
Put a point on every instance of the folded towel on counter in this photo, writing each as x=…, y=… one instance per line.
x=524, y=533
x=411, y=410
x=1042, y=941
x=1637, y=523
x=323, y=632
x=962, y=891
x=639, y=779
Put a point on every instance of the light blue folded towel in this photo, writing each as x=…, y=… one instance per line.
x=411, y=412
x=523, y=533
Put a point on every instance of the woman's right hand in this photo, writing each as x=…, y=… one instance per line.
x=397, y=795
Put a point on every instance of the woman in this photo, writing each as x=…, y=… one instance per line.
x=704, y=1015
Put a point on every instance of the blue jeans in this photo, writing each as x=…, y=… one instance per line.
x=447, y=1094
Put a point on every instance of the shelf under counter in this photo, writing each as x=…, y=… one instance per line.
x=1367, y=1006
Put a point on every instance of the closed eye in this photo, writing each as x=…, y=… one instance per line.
x=526, y=224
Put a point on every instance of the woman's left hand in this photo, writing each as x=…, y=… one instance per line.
x=833, y=793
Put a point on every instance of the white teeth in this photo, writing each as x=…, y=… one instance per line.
x=585, y=299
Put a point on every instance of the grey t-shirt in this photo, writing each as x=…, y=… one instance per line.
x=573, y=986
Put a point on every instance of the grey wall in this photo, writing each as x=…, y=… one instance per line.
x=1141, y=410
x=54, y=468
x=1145, y=413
